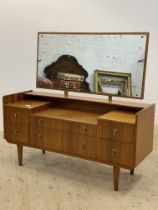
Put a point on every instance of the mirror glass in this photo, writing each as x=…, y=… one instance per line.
x=101, y=63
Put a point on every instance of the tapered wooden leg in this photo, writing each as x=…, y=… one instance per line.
x=20, y=154
x=43, y=151
x=132, y=171
x=116, y=174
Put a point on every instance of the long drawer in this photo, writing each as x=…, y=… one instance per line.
x=75, y=127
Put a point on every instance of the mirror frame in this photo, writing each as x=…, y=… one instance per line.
x=147, y=34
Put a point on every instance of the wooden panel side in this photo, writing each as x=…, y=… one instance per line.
x=144, y=133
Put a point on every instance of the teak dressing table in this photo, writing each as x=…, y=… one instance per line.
x=116, y=133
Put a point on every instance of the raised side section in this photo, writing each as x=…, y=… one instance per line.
x=7, y=99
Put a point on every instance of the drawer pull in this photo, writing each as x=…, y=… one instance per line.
x=40, y=122
x=84, y=130
x=39, y=136
x=114, y=151
x=115, y=132
x=15, y=115
x=83, y=145
x=16, y=132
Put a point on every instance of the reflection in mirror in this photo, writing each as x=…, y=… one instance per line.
x=114, y=83
x=102, y=63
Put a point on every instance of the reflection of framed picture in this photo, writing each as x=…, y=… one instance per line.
x=114, y=83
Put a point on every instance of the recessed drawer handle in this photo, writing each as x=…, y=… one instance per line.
x=39, y=136
x=15, y=132
x=84, y=128
x=115, y=132
x=83, y=145
x=15, y=115
x=114, y=151
x=40, y=121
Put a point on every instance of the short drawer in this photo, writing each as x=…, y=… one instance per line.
x=117, y=131
x=15, y=115
x=114, y=152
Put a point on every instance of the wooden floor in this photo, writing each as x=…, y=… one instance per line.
x=56, y=182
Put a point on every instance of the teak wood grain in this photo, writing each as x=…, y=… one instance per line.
x=119, y=134
x=70, y=115
x=124, y=132
x=144, y=132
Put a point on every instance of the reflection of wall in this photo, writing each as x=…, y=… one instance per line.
x=97, y=52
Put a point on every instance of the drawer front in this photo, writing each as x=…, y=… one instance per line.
x=41, y=122
x=79, y=128
x=85, y=146
x=116, y=153
x=15, y=116
x=17, y=133
x=117, y=131
x=46, y=138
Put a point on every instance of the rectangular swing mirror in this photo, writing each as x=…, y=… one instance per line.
x=112, y=64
